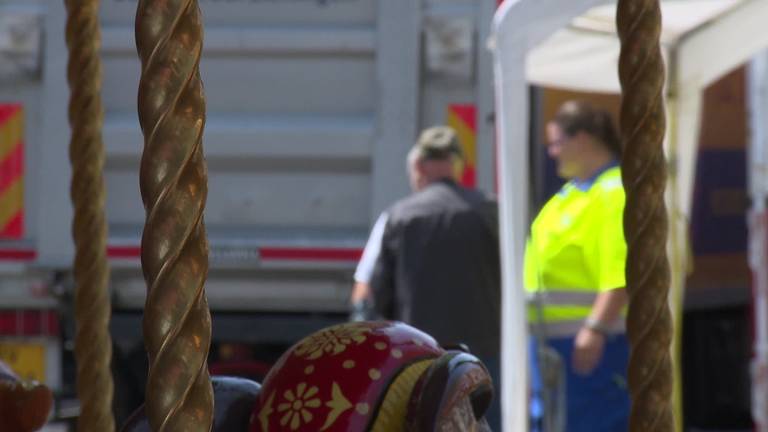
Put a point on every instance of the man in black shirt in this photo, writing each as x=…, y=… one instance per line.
x=438, y=268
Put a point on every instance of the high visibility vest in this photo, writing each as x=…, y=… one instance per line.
x=576, y=250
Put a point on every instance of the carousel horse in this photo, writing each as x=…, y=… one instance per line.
x=356, y=377
x=24, y=405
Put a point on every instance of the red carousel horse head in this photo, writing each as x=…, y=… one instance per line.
x=372, y=376
x=356, y=377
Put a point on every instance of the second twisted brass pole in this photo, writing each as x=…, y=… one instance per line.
x=649, y=323
x=93, y=344
x=174, y=249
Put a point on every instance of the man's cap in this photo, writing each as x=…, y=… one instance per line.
x=439, y=142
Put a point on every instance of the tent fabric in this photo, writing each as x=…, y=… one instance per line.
x=680, y=17
x=584, y=55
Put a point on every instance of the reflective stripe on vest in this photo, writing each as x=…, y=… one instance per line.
x=570, y=328
x=563, y=311
x=563, y=297
x=560, y=305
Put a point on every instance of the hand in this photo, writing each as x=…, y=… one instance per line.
x=587, y=350
x=360, y=291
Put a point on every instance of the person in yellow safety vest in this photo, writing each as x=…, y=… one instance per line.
x=574, y=272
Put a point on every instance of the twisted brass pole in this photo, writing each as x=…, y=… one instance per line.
x=649, y=324
x=174, y=249
x=93, y=344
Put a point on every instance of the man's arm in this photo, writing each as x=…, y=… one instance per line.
x=361, y=298
x=364, y=270
x=383, y=280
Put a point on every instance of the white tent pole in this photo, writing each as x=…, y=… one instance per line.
x=684, y=101
x=758, y=109
x=511, y=110
x=674, y=247
x=677, y=242
x=518, y=26
x=513, y=208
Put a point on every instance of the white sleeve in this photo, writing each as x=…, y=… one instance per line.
x=364, y=270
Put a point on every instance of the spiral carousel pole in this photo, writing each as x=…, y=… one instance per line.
x=649, y=323
x=93, y=344
x=174, y=249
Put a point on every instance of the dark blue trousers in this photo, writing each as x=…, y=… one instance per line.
x=598, y=402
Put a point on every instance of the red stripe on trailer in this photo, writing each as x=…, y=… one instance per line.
x=316, y=254
x=29, y=323
x=265, y=253
x=124, y=251
x=7, y=111
x=15, y=226
x=467, y=113
x=469, y=176
x=17, y=254
x=11, y=171
x=461, y=117
x=30, y=254
x=12, y=166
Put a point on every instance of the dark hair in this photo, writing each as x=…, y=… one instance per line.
x=580, y=116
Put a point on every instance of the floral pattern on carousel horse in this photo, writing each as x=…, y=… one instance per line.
x=350, y=377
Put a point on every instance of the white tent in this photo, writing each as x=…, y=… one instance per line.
x=701, y=40
x=572, y=44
